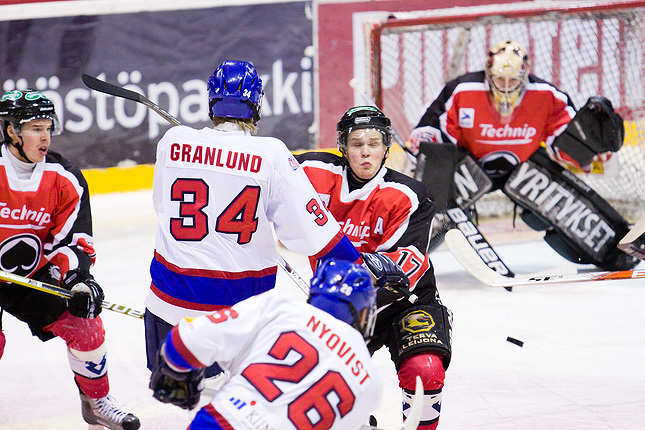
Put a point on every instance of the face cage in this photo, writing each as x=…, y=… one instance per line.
x=507, y=100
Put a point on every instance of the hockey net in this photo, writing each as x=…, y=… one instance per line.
x=585, y=49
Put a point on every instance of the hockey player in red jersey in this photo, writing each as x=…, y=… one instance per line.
x=388, y=217
x=516, y=126
x=220, y=193
x=292, y=365
x=46, y=234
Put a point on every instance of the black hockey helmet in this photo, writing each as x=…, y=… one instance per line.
x=363, y=117
x=20, y=106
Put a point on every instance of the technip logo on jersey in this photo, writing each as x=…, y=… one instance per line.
x=39, y=217
x=511, y=135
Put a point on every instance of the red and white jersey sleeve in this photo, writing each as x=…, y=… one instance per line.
x=463, y=113
x=391, y=214
x=291, y=364
x=45, y=218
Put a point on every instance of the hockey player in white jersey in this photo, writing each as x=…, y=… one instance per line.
x=217, y=191
x=292, y=365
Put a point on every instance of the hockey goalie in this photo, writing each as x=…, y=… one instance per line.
x=503, y=128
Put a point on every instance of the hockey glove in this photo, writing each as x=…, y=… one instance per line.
x=182, y=389
x=87, y=295
x=389, y=276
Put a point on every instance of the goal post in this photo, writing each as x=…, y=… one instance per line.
x=585, y=49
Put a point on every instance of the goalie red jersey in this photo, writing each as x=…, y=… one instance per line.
x=45, y=218
x=389, y=214
x=463, y=114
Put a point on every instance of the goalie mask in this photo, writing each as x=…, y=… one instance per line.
x=507, y=72
x=235, y=91
x=345, y=290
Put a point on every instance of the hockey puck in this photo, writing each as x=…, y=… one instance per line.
x=515, y=341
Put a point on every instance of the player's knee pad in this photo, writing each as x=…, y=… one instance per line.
x=421, y=329
x=428, y=366
x=81, y=334
x=580, y=224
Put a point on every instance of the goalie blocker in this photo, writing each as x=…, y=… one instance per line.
x=579, y=224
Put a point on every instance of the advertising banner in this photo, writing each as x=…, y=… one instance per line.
x=168, y=56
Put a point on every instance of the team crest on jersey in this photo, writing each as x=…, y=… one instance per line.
x=418, y=321
x=20, y=254
x=466, y=117
x=293, y=163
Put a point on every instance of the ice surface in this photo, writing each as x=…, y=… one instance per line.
x=582, y=365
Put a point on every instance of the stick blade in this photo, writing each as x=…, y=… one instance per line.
x=106, y=88
x=469, y=259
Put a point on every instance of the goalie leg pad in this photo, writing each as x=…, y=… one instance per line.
x=421, y=329
x=586, y=225
x=429, y=366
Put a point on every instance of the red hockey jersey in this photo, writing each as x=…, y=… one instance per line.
x=45, y=218
x=464, y=114
x=391, y=214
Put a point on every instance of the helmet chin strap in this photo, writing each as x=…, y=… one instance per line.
x=20, y=150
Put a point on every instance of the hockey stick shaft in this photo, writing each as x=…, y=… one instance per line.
x=107, y=88
x=468, y=257
x=414, y=415
x=629, y=243
x=61, y=292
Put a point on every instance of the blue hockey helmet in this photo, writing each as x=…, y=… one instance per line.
x=344, y=290
x=235, y=91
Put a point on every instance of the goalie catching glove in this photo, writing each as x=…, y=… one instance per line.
x=182, y=389
x=389, y=277
x=595, y=130
x=87, y=295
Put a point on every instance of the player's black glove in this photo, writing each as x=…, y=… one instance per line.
x=87, y=295
x=389, y=275
x=182, y=389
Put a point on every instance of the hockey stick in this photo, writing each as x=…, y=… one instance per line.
x=627, y=244
x=467, y=257
x=414, y=416
x=61, y=292
x=107, y=88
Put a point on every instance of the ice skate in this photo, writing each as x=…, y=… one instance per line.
x=104, y=412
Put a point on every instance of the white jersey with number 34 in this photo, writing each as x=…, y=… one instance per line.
x=216, y=194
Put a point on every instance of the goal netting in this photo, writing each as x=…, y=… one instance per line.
x=585, y=49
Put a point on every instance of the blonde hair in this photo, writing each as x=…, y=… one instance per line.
x=245, y=124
